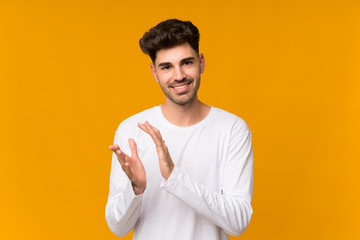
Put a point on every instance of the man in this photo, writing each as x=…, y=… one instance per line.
x=182, y=170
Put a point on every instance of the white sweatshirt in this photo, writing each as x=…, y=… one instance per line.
x=209, y=192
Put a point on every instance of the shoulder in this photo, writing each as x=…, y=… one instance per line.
x=232, y=122
x=131, y=123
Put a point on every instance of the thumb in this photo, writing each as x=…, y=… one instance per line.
x=133, y=148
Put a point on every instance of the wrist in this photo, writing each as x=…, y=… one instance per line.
x=170, y=170
x=137, y=190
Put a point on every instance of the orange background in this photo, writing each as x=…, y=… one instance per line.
x=71, y=71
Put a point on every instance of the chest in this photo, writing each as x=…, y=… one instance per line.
x=201, y=154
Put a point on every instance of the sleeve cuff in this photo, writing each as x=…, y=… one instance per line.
x=130, y=192
x=173, y=176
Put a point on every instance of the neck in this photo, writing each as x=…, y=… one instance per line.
x=185, y=115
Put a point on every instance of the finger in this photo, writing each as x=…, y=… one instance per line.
x=145, y=128
x=149, y=129
x=133, y=148
x=120, y=157
x=125, y=163
x=127, y=170
x=142, y=127
x=154, y=133
x=114, y=147
x=123, y=159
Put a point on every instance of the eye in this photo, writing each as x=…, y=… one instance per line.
x=166, y=67
x=188, y=62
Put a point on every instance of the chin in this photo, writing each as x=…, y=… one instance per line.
x=183, y=101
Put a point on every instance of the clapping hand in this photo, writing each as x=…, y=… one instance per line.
x=132, y=166
x=165, y=162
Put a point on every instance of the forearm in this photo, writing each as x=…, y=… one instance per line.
x=123, y=206
x=230, y=212
x=122, y=210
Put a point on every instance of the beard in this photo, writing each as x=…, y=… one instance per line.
x=185, y=97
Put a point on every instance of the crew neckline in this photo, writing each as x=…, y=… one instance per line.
x=175, y=127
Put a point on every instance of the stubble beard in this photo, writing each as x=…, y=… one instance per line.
x=178, y=98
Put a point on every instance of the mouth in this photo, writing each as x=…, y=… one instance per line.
x=181, y=88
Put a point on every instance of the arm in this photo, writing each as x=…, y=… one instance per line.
x=231, y=209
x=127, y=183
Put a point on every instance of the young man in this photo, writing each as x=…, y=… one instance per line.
x=182, y=170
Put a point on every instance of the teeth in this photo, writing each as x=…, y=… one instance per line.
x=180, y=87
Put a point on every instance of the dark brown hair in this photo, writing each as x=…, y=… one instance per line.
x=167, y=34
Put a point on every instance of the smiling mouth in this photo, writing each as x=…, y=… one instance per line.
x=182, y=83
x=181, y=88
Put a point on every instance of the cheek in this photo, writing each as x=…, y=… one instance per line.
x=165, y=76
x=192, y=72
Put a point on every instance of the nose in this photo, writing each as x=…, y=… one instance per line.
x=178, y=74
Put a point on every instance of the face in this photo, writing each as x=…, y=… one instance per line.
x=178, y=70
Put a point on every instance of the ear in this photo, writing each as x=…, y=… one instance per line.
x=202, y=63
x=153, y=71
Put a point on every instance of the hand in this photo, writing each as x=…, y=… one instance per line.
x=165, y=162
x=132, y=166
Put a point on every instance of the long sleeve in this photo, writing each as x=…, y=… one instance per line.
x=123, y=206
x=231, y=208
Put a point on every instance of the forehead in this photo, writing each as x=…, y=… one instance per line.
x=175, y=54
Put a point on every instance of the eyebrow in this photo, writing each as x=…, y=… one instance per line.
x=182, y=60
x=164, y=64
x=187, y=59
